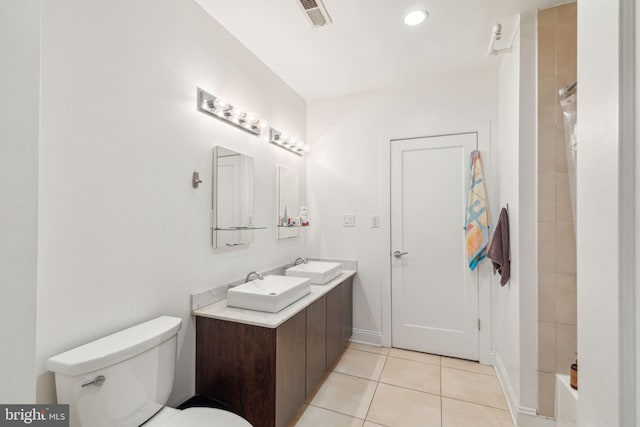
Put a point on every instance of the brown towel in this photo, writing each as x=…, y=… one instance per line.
x=499, y=250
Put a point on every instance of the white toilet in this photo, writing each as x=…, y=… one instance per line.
x=124, y=380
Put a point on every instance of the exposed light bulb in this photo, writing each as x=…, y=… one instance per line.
x=220, y=104
x=306, y=148
x=263, y=124
x=250, y=120
x=208, y=104
x=415, y=17
x=237, y=113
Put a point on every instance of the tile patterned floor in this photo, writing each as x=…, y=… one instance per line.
x=376, y=386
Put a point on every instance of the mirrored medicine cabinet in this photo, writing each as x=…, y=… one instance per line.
x=233, y=198
x=288, y=202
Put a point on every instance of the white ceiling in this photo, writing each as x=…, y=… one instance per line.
x=368, y=47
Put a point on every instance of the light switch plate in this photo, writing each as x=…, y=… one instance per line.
x=349, y=220
x=375, y=221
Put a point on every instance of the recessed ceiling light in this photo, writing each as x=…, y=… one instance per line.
x=415, y=17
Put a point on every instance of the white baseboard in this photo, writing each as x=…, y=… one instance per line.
x=528, y=420
x=363, y=336
x=522, y=416
x=507, y=388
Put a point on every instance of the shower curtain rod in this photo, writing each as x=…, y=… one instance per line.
x=568, y=90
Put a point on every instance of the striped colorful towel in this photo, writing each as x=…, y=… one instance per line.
x=477, y=223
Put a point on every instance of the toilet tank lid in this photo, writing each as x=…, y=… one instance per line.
x=115, y=348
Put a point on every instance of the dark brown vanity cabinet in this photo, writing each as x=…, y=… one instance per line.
x=347, y=310
x=259, y=372
x=265, y=374
x=316, y=344
x=335, y=345
x=339, y=320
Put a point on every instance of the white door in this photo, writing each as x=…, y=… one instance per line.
x=434, y=293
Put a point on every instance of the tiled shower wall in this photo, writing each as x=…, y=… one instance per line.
x=557, y=342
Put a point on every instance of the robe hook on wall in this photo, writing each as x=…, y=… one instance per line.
x=195, y=179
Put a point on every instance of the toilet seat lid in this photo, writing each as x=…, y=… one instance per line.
x=202, y=417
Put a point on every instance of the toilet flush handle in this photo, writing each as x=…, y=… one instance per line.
x=97, y=381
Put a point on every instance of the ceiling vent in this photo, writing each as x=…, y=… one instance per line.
x=316, y=12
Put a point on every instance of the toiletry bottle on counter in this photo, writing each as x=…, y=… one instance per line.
x=304, y=213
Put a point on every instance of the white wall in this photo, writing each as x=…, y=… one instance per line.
x=123, y=235
x=528, y=212
x=505, y=154
x=19, y=86
x=598, y=213
x=637, y=215
x=348, y=172
x=514, y=306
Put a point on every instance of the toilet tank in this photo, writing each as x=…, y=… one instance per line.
x=138, y=365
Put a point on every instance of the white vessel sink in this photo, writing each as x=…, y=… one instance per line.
x=319, y=272
x=271, y=294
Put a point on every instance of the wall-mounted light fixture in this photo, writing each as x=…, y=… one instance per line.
x=496, y=34
x=292, y=145
x=232, y=114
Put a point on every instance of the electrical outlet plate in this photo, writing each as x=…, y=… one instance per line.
x=375, y=221
x=349, y=220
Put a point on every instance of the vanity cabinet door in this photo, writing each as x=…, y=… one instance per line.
x=290, y=367
x=335, y=342
x=235, y=363
x=316, y=343
x=347, y=310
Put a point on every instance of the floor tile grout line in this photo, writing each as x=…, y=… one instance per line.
x=357, y=376
x=417, y=361
x=410, y=389
x=336, y=412
x=365, y=351
x=366, y=416
x=369, y=351
x=477, y=404
x=353, y=376
x=468, y=370
x=474, y=403
x=440, y=361
x=441, y=398
x=377, y=424
x=376, y=390
x=430, y=363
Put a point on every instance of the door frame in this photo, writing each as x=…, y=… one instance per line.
x=483, y=130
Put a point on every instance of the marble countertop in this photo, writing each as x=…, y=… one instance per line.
x=220, y=310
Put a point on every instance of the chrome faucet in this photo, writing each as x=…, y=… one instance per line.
x=253, y=273
x=298, y=261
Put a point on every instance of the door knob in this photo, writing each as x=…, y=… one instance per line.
x=398, y=254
